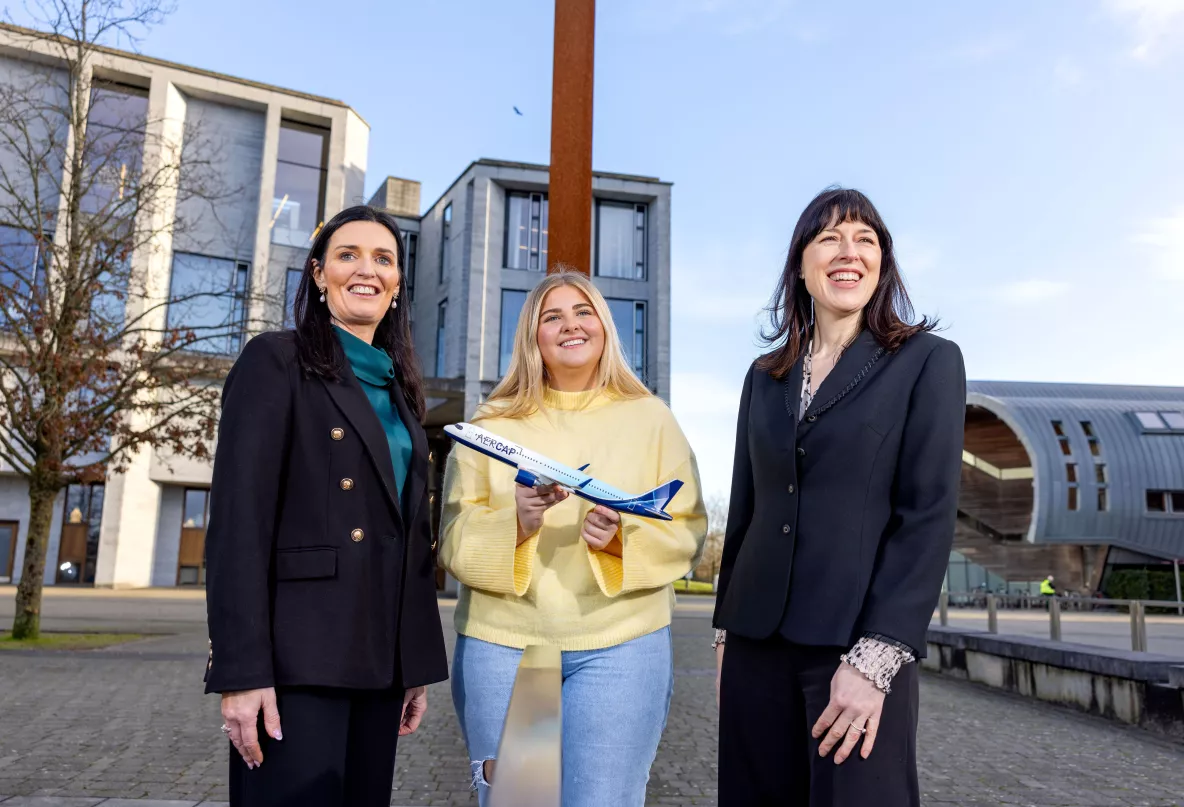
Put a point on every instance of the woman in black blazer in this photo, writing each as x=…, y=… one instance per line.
x=844, y=499
x=324, y=628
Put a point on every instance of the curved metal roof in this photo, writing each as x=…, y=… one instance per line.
x=1136, y=460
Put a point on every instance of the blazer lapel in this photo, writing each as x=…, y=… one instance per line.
x=348, y=396
x=855, y=363
x=417, y=474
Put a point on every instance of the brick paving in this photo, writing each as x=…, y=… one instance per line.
x=79, y=728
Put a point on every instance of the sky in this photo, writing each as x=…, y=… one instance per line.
x=1027, y=155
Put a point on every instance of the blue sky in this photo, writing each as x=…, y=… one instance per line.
x=1028, y=155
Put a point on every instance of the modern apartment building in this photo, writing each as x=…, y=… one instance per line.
x=292, y=160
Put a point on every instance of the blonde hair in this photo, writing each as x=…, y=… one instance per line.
x=521, y=391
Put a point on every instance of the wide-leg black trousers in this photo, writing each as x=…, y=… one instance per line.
x=338, y=750
x=771, y=694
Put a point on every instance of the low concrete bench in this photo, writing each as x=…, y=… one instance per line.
x=1143, y=689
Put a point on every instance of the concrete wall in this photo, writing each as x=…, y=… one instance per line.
x=168, y=535
x=14, y=506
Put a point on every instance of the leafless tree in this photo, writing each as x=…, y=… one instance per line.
x=713, y=547
x=99, y=359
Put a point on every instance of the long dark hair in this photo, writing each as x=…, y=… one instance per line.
x=319, y=352
x=888, y=314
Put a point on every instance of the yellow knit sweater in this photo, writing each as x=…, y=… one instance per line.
x=554, y=589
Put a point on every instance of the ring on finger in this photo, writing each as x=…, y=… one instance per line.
x=860, y=729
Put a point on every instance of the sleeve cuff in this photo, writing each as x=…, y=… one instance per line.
x=878, y=660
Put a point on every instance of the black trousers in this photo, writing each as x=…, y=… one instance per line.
x=338, y=751
x=771, y=694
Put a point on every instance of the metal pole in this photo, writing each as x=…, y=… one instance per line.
x=944, y=608
x=1138, y=628
x=992, y=614
x=1054, y=618
x=569, y=237
x=1179, y=599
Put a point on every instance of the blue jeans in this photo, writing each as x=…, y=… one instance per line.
x=615, y=703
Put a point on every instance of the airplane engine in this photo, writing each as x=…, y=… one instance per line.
x=526, y=479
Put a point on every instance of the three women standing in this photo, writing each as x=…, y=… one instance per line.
x=324, y=627
x=541, y=567
x=843, y=505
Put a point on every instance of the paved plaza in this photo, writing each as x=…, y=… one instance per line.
x=131, y=723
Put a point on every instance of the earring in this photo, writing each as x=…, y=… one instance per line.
x=395, y=302
x=322, y=295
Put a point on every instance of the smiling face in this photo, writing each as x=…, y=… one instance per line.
x=570, y=335
x=841, y=267
x=359, y=276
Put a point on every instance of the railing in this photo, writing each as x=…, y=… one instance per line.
x=1137, y=609
x=528, y=772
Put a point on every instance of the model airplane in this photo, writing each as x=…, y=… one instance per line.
x=535, y=470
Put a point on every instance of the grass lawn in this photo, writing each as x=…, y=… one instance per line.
x=66, y=641
x=692, y=587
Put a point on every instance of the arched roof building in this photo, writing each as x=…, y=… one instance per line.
x=1058, y=477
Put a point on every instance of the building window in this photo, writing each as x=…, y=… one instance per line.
x=1151, y=421
x=300, y=175
x=1103, y=500
x=1166, y=501
x=1062, y=438
x=1175, y=420
x=512, y=303
x=8, y=540
x=191, y=558
x=208, y=297
x=526, y=231
x=411, y=247
x=1095, y=447
x=291, y=286
x=1073, y=497
x=114, y=143
x=82, y=520
x=445, y=237
x=629, y=317
x=1100, y=473
x=1102, y=478
x=441, y=319
x=620, y=240
x=1071, y=477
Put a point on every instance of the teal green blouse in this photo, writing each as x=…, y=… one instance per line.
x=375, y=369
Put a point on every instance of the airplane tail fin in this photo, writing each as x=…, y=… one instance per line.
x=660, y=496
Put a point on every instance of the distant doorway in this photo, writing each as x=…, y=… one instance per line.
x=78, y=549
x=191, y=559
x=8, y=531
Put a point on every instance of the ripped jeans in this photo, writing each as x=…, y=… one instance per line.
x=615, y=703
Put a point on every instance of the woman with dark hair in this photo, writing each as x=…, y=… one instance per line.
x=843, y=504
x=320, y=582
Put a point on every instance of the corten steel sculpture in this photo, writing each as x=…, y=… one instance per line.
x=569, y=237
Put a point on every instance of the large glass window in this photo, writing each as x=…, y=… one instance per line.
x=629, y=317
x=512, y=302
x=78, y=547
x=441, y=320
x=411, y=248
x=299, y=183
x=24, y=261
x=620, y=240
x=113, y=146
x=445, y=239
x=526, y=231
x=291, y=286
x=191, y=557
x=208, y=296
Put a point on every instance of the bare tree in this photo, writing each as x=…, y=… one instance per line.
x=713, y=546
x=98, y=362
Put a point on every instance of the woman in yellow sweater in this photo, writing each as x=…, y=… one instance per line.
x=539, y=566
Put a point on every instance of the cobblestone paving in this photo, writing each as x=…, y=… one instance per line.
x=132, y=723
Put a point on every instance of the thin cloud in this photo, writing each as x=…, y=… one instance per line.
x=1163, y=239
x=1068, y=73
x=1153, y=22
x=1032, y=292
x=980, y=50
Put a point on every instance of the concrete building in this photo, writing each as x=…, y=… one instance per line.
x=295, y=159
x=299, y=159
x=1072, y=480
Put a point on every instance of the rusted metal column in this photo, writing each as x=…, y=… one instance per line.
x=569, y=230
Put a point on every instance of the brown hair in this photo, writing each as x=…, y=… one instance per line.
x=888, y=314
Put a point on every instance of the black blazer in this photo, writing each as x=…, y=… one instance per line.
x=316, y=573
x=841, y=525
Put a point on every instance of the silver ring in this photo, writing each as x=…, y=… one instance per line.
x=860, y=729
x=225, y=729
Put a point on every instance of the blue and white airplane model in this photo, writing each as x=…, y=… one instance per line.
x=535, y=470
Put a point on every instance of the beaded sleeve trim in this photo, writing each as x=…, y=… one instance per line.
x=878, y=660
